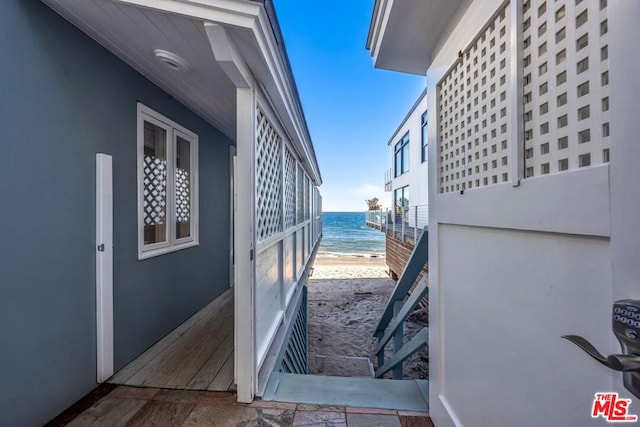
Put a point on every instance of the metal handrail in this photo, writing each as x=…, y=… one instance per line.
x=397, y=311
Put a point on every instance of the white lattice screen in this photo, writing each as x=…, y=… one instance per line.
x=155, y=190
x=183, y=196
x=474, y=111
x=307, y=199
x=289, y=189
x=566, y=92
x=268, y=178
x=300, y=195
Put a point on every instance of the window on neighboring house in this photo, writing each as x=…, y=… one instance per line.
x=425, y=141
x=402, y=156
x=167, y=185
x=401, y=199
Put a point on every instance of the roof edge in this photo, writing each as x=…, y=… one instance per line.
x=406, y=117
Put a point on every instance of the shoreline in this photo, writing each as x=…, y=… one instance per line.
x=349, y=255
x=326, y=258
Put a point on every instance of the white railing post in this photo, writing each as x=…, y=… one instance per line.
x=395, y=220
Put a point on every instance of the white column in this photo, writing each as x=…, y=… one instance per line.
x=245, y=362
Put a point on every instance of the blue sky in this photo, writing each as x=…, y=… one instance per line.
x=351, y=107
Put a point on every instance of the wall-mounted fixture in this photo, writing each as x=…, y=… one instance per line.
x=171, y=60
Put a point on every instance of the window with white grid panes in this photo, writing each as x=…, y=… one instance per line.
x=566, y=126
x=473, y=111
x=268, y=178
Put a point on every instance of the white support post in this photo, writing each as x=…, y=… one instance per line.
x=245, y=359
x=104, y=267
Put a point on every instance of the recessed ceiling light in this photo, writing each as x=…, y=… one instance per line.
x=171, y=60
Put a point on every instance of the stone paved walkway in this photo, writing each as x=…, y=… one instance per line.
x=111, y=405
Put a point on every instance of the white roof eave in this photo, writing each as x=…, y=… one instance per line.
x=403, y=36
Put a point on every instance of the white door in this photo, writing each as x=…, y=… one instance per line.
x=517, y=264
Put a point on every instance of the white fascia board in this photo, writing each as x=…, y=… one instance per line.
x=403, y=36
x=239, y=13
x=399, y=132
x=379, y=19
x=283, y=82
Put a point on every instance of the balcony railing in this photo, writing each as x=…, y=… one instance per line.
x=404, y=223
x=387, y=180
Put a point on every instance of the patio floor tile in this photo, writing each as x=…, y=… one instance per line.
x=373, y=420
x=319, y=419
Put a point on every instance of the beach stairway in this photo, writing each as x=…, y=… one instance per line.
x=399, y=308
x=407, y=395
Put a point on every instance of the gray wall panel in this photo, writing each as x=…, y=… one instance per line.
x=64, y=98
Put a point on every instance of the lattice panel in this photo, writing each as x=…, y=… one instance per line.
x=307, y=199
x=474, y=113
x=566, y=85
x=183, y=196
x=155, y=190
x=268, y=177
x=300, y=195
x=289, y=189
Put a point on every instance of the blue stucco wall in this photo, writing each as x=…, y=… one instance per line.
x=63, y=98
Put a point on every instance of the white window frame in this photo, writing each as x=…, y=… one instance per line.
x=173, y=130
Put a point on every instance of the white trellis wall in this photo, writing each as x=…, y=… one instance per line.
x=285, y=232
x=563, y=71
x=566, y=85
x=475, y=113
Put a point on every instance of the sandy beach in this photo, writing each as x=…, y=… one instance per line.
x=347, y=295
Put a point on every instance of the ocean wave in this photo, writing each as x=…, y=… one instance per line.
x=352, y=254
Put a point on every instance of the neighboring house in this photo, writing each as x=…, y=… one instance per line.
x=533, y=200
x=408, y=182
x=153, y=155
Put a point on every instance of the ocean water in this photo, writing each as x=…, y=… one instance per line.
x=345, y=233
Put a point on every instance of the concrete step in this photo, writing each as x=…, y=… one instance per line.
x=404, y=395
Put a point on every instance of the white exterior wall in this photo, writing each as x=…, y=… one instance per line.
x=417, y=177
x=517, y=264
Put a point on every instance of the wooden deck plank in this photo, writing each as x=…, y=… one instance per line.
x=125, y=374
x=212, y=367
x=109, y=412
x=178, y=364
x=224, y=379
